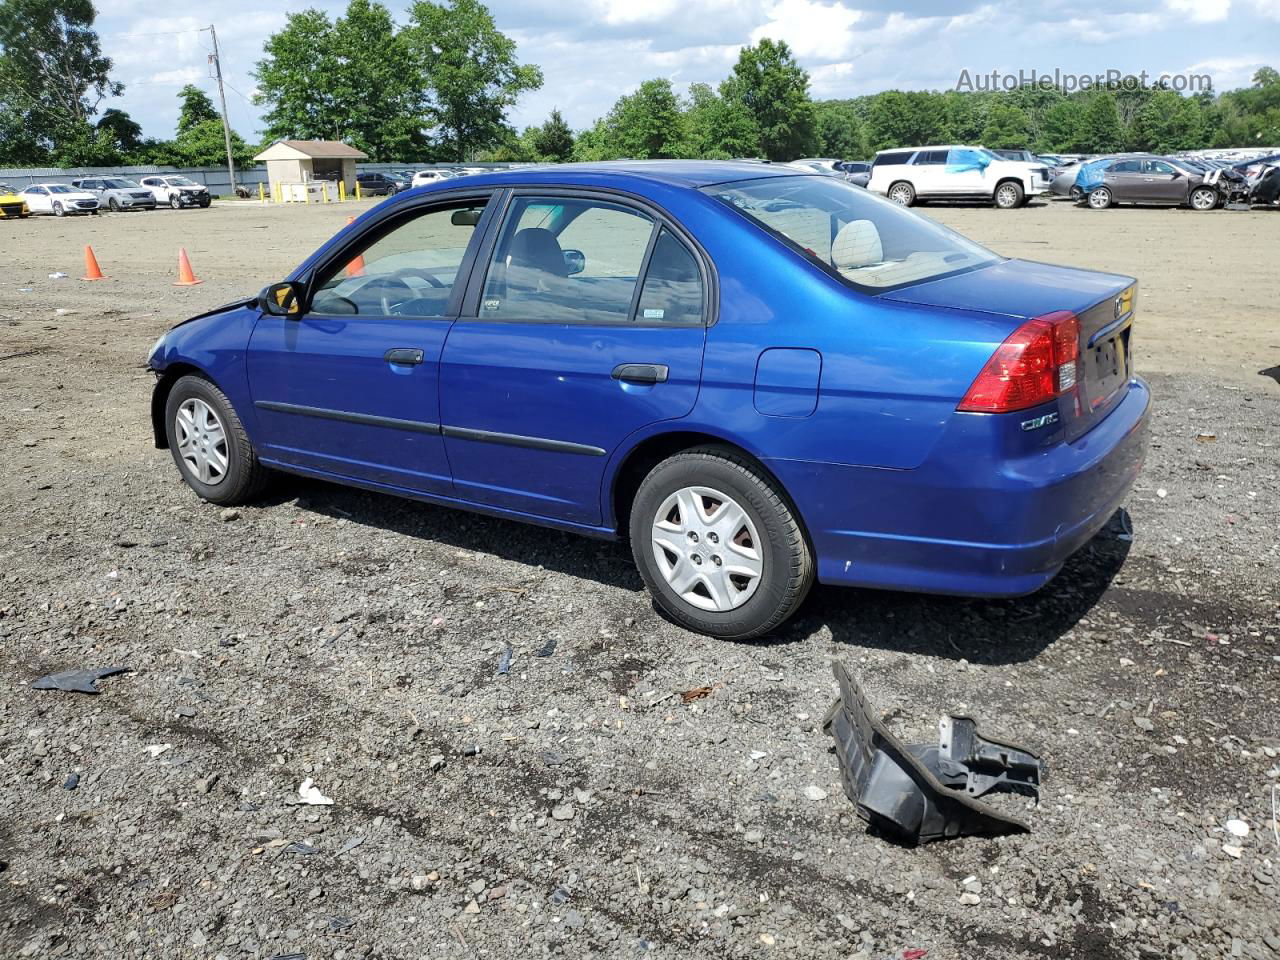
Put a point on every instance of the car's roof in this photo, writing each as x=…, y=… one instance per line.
x=683, y=173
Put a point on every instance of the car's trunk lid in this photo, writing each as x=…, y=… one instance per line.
x=1022, y=289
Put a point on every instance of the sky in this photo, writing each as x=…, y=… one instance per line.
x=593, y=51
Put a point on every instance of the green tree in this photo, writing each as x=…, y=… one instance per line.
x=53, y=77
x=553, y=140
x=196, y=108
x=470, y=73
x=1166, y=123
x=897, y=119
x=382, y=103
x=1063, y=127
x=119, y=126
x=1006, y=128
x=295, y=80
x=647, y=124
x=840, y=132
x=717, y=128
x=774, y=89
x=1100, y=128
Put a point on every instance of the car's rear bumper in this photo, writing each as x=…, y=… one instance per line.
x=969, y=520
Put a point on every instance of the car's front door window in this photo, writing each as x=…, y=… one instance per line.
x=410, y=271
x=565, y=260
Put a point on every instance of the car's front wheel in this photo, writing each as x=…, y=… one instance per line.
x=1203, y=198
x=174, y=202
x=114, y=204
x=718, y=544
x=902, y=193
x=1100, y=198
x=209, y=444
x=57, y=210
x=1009, y=195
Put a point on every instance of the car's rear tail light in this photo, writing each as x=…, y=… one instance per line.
x=1038, y=362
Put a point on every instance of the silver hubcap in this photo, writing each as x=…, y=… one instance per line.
x=900, y=195
x=1006, y=196
x=202, y=442
x=1202, y=199
x=707, y=549
x=1099, y=199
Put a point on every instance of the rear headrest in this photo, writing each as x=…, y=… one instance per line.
x=856, y=245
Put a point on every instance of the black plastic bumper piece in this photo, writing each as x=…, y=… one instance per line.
x=922, y=792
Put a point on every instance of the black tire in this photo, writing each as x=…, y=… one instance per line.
x=1099, y=198
x=902, y=193
x=204, y=204
x=58, y=211
x=787, y=569
x=1008, y=195
x=245, y=477
x=1203, y=198
x=114, y=204
x=174, y=202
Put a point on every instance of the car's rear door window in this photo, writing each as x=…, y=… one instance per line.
x=672, y=290
x=411, y=270
x=568, y=260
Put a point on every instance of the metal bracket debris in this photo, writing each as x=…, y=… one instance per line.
x=922, y=792
x=77, y=681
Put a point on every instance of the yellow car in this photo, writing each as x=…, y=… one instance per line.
x=12, y=205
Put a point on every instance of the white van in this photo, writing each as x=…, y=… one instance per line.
x=955, y=172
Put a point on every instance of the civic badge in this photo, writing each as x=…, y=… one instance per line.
x=1035, y=423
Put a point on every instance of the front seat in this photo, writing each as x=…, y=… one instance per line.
x=535, y=250
x=856, y=245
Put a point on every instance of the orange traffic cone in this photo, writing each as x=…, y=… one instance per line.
x=185, y=277
x=91, y=269
x=356, y=267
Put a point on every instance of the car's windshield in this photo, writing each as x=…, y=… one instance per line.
x=182, y=182
x=60, y=188
x=868, y=241
x=119, y=184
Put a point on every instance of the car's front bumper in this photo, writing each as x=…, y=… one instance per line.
x=971, y=520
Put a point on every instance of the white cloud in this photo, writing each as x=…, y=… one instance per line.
x=823, y=31
x=1201, y=11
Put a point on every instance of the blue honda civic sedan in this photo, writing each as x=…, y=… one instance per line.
x=760, y=377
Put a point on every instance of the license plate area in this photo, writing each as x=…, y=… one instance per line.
x=1108, y=368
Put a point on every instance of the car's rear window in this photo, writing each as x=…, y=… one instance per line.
x=869, y=242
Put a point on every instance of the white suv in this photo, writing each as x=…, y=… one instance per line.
x=955, y=173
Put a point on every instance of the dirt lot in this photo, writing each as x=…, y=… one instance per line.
x=577, y=806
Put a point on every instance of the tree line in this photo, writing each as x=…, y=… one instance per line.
x=440, y=87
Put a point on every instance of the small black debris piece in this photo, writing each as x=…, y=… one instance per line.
x=72, y=781
x=547, y=649
x=472, y=751
x=300, y=848
x=504, y=662
x=77, y=681
x=921, y=792
x=559, y=897
x=552, y=759
x=340, y=924
x=290, y=956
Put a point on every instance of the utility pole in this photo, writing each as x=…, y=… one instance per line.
x=222, y=96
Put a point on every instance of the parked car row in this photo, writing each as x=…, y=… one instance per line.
x=1139, y=178
x=88, y=195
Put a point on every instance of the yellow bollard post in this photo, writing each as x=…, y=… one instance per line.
x=342, y=191
x=306, y=192
x=357, y=189
x=324, y=192
x=262, y=194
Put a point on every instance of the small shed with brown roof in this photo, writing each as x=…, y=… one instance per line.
x=297, y=161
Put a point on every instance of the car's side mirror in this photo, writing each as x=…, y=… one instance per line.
x=575, y=261
x=281, y=300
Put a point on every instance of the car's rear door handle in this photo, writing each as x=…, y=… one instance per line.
x=641, y=372
x=407, y=356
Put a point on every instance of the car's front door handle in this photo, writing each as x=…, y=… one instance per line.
x=406, y=356
x=641, y=372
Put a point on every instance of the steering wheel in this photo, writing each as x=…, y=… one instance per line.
x=421, y=274
x=391, y=291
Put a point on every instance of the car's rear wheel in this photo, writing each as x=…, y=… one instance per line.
x=114, y=204
x=1203, y=198
x=718, y=544
x=1008, y=195
x=902, y=193
x=57, y=210
x=1100, y=198
x=209, y=444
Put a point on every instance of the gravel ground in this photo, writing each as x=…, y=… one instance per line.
x=577, y=805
